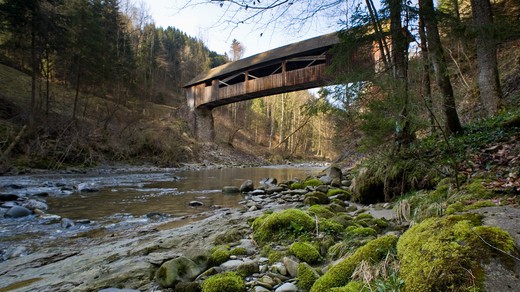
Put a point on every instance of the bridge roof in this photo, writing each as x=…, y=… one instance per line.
x=295, y=49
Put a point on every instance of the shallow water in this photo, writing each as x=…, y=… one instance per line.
x=124, y=198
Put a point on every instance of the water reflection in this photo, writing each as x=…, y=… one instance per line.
x=141, y=194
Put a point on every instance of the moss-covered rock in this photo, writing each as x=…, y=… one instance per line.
x=316, y=198
x=232, y=235
x=312, y=182
x=444, y=254
x=296, y=186
x=306, y=276
x=219, y=255
x=352, y=286
x=340, y=274
x=239, y=251
x=229, y=282
x=345, y=195
x=180, y=269
x=321, y=211
x=283, y=225
x=328, y=226
x=305, y=252
x=357, y=232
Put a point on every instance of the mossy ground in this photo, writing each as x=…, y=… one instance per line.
x=445, y=254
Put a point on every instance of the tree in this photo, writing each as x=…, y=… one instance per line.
x=488, y=81
x=436, y=52
x=237, y=50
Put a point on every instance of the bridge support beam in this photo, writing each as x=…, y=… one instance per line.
x=202, y=124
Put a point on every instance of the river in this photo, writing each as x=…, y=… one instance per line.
x=126, y=198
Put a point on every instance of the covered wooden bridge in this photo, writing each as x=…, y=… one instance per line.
x=293, y=67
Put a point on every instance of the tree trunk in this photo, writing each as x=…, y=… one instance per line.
x=400, y=71
x=76, y=96
x=436, y=52
x=426, y=82
x=380, y=36
x=488, y=80
x=34, y=76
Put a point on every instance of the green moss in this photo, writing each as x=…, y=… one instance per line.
x=229, y=282
x=477, y=189
x=306, y=276
x=284, y=225
x=344, y=220
x=334, y=192
x=340, y=274
x=339, y=202
x=439, y=253
x=275, y=256
x=321, y=211
x=316, y=198
x=297, y=186
x=357, y=232
x=338, y=250
x=352, y=286
x=364, y=216
x=239, y=251
x=312, y=182
x=231, y=235
x=329, y=226
x=305, y=252
x=455, y=208
x=480, y=204
x=219, y=255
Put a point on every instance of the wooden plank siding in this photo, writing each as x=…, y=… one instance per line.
x=212, y=95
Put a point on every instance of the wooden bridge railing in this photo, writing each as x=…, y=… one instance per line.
x=272, y=84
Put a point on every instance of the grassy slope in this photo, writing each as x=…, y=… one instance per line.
x=130, y=131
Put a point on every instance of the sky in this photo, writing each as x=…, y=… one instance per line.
x=205, y=22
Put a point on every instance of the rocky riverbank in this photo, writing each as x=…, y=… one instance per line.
x=290, y=236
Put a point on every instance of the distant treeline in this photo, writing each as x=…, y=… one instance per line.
x=107, y=47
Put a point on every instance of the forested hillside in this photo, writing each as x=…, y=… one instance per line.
x=90, y=80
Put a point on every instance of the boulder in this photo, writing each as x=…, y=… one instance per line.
x=326, y=180
x=177, y=270
x=17, y=212
x=334, y=172
x=35, y=204
x=247, y=186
